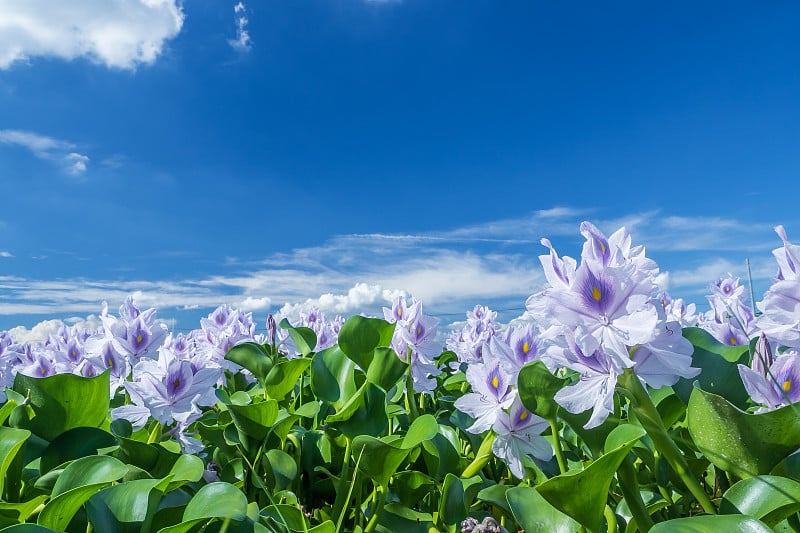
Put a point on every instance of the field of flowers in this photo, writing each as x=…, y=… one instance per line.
x=606, y=408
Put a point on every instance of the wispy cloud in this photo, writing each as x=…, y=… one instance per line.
x=242, y=42
x=4, y=253
x=450, y=271
x=119, y=34
x=58, y=151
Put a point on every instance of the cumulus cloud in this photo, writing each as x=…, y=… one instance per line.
x=242, y=42
x=4, y=253
x=47, y=148
x=119, y=34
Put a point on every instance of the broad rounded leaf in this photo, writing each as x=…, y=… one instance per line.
x=64, y=401
x=283, y=377
x=74, y=444
x=11, y=441
x=534, y=513
x=217, y=500
x=332, y=378
x=251, y=356
x=712, y=524
x=256, y=419
x=386, y=368
x=360, y=335
x=537, y=387
x=768, y=498
x=741, y=443
x=304, y=338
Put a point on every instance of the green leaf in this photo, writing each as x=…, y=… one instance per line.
x=582, y=494
x=280, y=469
x=386, y=368
x=365, y=415
x=283, y=377
x=457, y=497
x=64, y=401
x=304, y=338
x=741, y=443
x=719, y=374
x=411, y=486
x=217, y=500
x=376, y=459
x=771, y=499
x=27, y=528
x=187, y=469
x=125, y=507
x=256, y=419
x=537, y=387
x=712, y=524
x=74, y=444
x=359, y=337
x=332, y=378
x=422, y=429
x=533, y=513
x=76, y=484
x=251, y=356
x=396, y=518
x=11, y=441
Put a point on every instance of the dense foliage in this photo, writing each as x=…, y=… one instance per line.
x=605, y=407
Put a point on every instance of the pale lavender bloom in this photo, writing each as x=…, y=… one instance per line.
x=519, y=433
x=762, y=358
x=595, y=388
x=140, y=339
x=665, y=359
x=727, y=333
x=491, y=394
x=523, y=344
x=677, y=311
x=788, y=257
x=414, y=341
x=180, y=432
x=42, y=366
x=401, y=312
x=777, y=386
x=612, y=306
x=559, y=272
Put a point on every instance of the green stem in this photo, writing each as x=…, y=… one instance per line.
x=377, y=510
x=411, y=405
x=611, y=520
x=630, y=489
x=562, y=464
x=482, y=456
x=341, y=494
x=651, y=421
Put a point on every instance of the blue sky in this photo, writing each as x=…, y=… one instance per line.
x=195, y=153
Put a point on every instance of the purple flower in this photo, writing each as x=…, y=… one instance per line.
x=518, y=435
x=665, y=359
x=491, y=394
x=778, y=386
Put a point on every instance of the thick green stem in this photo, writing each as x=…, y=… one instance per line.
x=380, y=496
x=630, y=489
x=411, y=405
x=562, y=464
x=611, y=520
x=342, y=495
x=651, y=421
x=482, y=456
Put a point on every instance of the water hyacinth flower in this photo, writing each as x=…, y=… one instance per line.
x=519, y=434
x=414, y=341
x=780, y=308
x=468, y=342
x=491, y=395
x=594, y=316
x=777, y=385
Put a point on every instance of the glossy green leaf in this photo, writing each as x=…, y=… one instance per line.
x=712, y=524
x=74, y=444
x=366, y=414
x=332, y=378
x=771, y=499
x=284, y=376
x=125, y=508
x=386, y=368
x=422, y=429
x=537, y=387
x=533, y=513
x=457, y=497
x=285, y=515
x=280, y=469
x=251, y=356
x=738, y=442
x=187, y=469
x=376, y=459
x=411, y=486
x=304, y=338
x=256, y=419
x=582, y=494
x=64, y=401
x=22, y=511
x=27, y=528
x=220, y=500
x=396, y=518
x=5, y=410
x=360, y=335
x=11, y=442
x=719, y=374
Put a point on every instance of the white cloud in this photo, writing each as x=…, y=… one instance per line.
x=3, y=253
x=120, y=34
x=242, y=42
x=254, y=304
x=48, y=148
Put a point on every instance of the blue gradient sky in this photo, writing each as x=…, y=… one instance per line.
x=417, y=145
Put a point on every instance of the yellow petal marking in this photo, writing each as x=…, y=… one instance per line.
x=596, y=294
x=787, y=385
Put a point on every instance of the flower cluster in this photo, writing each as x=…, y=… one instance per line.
x=415, y=341
x=327, y=331
x=600, y=318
